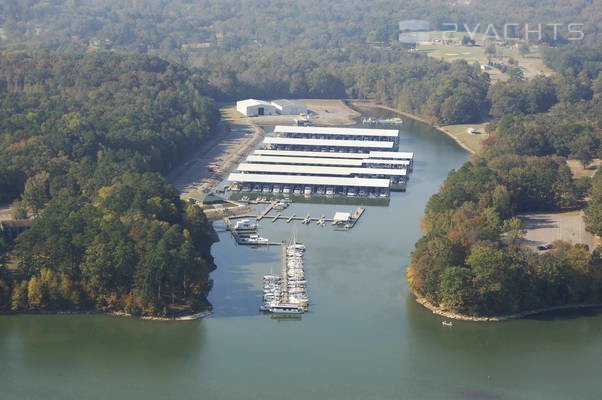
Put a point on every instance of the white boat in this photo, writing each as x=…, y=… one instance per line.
x=286, y=189
x=276, y=189
x=255, y=239
x=447, y=323
x=286, y=309
x=266, y=189
x=297, y=190
x=280, y=206
x=244, y=224
x=307, y=190
x=329, y=191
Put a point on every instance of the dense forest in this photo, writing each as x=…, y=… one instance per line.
x=472, y=259
x=83, y=140
x=90, y=117
x=173, y=26
x=313, y=49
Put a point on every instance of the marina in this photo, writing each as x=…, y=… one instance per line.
x=287, y=293
x=325, y=161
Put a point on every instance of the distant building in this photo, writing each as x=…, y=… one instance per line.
x=254, y=108
x=289, y=107
x=13, y=228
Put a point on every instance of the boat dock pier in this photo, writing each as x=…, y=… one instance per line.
x=355, y=217
x=284, y=273
x=266, y=210
x=248, y=236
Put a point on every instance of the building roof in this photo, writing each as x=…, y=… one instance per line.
x=373, y=156
x=350, y=162
x=299, y=153
x=252, y=102
x=391, y=154
x=286, y=102
x=308, y=180
x=385, y=162
x=321, y=130
x=341, y=216
x=319, y=170
x=328, y=143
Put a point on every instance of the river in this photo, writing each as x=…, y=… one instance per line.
x=364, y=337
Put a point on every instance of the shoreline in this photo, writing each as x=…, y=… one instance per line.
x=443, y=312
x=417, y=118
x=188, y=317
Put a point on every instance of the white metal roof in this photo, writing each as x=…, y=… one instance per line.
x=252, y=102
x=374, y=156
x=308, y=169
x=341, y=216
x=308, y=180
x=385, y=162
x=328, y=143
x=299, y=153
x=321, y=130
x=391, y=154
x=287, y=102
x=350, y=162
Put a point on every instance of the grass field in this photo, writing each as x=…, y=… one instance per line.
x=473, y=141
x=530, y=63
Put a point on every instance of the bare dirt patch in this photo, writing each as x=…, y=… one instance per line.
x=322, y=112
x=579, y=171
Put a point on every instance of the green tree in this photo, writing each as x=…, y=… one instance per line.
x=19, y=298
x=36, y=195
x=18, y=210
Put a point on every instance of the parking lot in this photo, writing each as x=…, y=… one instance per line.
x=544, y=228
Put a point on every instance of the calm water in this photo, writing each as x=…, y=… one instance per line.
x=364, y=337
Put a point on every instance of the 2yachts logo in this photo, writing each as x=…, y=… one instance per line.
x=416, y=31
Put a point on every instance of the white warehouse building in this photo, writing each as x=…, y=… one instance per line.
x=254, y=108
x=289, y=107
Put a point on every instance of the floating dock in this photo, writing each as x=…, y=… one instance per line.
x=241, y=235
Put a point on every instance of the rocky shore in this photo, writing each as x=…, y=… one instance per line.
x=444, y=312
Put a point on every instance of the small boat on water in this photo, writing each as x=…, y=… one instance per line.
x=447, y=323
x=286, y=309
